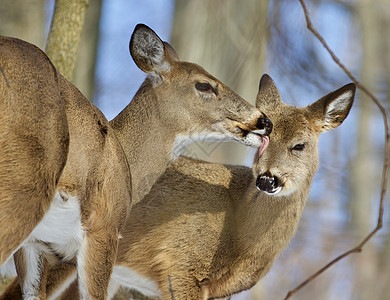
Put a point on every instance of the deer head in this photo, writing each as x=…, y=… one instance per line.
x=191, y=102
x=295, y=137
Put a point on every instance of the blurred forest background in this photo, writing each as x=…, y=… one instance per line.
x=237, y=41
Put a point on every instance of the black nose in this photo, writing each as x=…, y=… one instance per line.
x=265, y=124
x=268, y=183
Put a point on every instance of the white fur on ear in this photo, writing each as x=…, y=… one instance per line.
x=337, y=108
x=147, y=50
x=331, y=110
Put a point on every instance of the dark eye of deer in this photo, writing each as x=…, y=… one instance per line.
x=204, y=87
x=299, y=147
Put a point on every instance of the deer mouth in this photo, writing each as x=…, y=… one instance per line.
x=251, y=135
x=269, y=184
x=264, y=145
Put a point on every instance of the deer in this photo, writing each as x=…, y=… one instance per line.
x=208, y=230
x=68, y=177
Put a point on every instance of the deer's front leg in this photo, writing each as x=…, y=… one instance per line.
x=31, y=267
x=95, y=262
x=182, y=286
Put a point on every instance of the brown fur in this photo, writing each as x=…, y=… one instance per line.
x=51, y=140
x=208, y=227
x=75, y=150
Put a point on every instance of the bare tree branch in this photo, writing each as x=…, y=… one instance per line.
x=385, y=170
x=170, y=288
x=65, y=33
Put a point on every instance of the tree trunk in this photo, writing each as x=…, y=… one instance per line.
x=384, y=262
x=363, y=171
x=65, y=33
x=84, y=74
x=227, y=38
x=23, y=19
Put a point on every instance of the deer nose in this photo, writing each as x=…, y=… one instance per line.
x=268, y=183
x=263, y=123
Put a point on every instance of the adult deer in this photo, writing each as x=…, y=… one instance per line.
x=210, y=230
x=64, y=177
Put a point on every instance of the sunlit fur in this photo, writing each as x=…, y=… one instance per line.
x=53, y=140
x=207, y=227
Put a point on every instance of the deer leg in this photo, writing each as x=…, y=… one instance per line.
x=59, y=278
x=12, y=291
x=20, y=214
x=72, y=291
x=95, y=262
x=29, y=171
x=183, y=287
x=31, y=267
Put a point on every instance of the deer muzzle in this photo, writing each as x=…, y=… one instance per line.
x=268, y=183
x=264, y=124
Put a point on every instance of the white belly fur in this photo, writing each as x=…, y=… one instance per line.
x=133, y=280
x=61, y=227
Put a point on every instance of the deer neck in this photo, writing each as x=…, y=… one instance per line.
x=265, y=224
x=146, y=142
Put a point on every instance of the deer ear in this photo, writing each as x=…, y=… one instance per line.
x=148, y=51
x=268, y=94
x=330, y=111
x=170, y=53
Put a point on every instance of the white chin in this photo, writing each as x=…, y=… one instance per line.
x=274, y=192
x=252, y=140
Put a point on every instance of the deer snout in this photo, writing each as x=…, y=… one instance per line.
x=264, y=125
x=269, y=184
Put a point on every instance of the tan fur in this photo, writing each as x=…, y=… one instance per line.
x=64, y=143
x=51, y=139
x=208, y=227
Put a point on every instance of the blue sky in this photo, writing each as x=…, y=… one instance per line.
x=117, y=76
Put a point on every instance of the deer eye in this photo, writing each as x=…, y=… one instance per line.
x=299, y=147
x=204, y=87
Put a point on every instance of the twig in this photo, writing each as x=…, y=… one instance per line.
x=385, y=170
x=170, y=288
x=5, y=77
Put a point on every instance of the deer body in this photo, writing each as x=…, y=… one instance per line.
x=215, y=230
x=92, y=185
x=211, y=230
x=57, y=145
x=230, y=232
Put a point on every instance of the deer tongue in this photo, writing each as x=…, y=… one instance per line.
x=264, y=145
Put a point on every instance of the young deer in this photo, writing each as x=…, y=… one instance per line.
x=215, y=230
x=212, y=230
x=64, y=170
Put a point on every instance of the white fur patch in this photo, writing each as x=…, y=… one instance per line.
x=61, y=226
x=148, y=45
x=113, y=287
x=8, y=268
x=252, y=140
x=340, y=104
x=214, y=135
x=33, y=261
x=133, y=280
x=81, y=271
x=183, y=141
